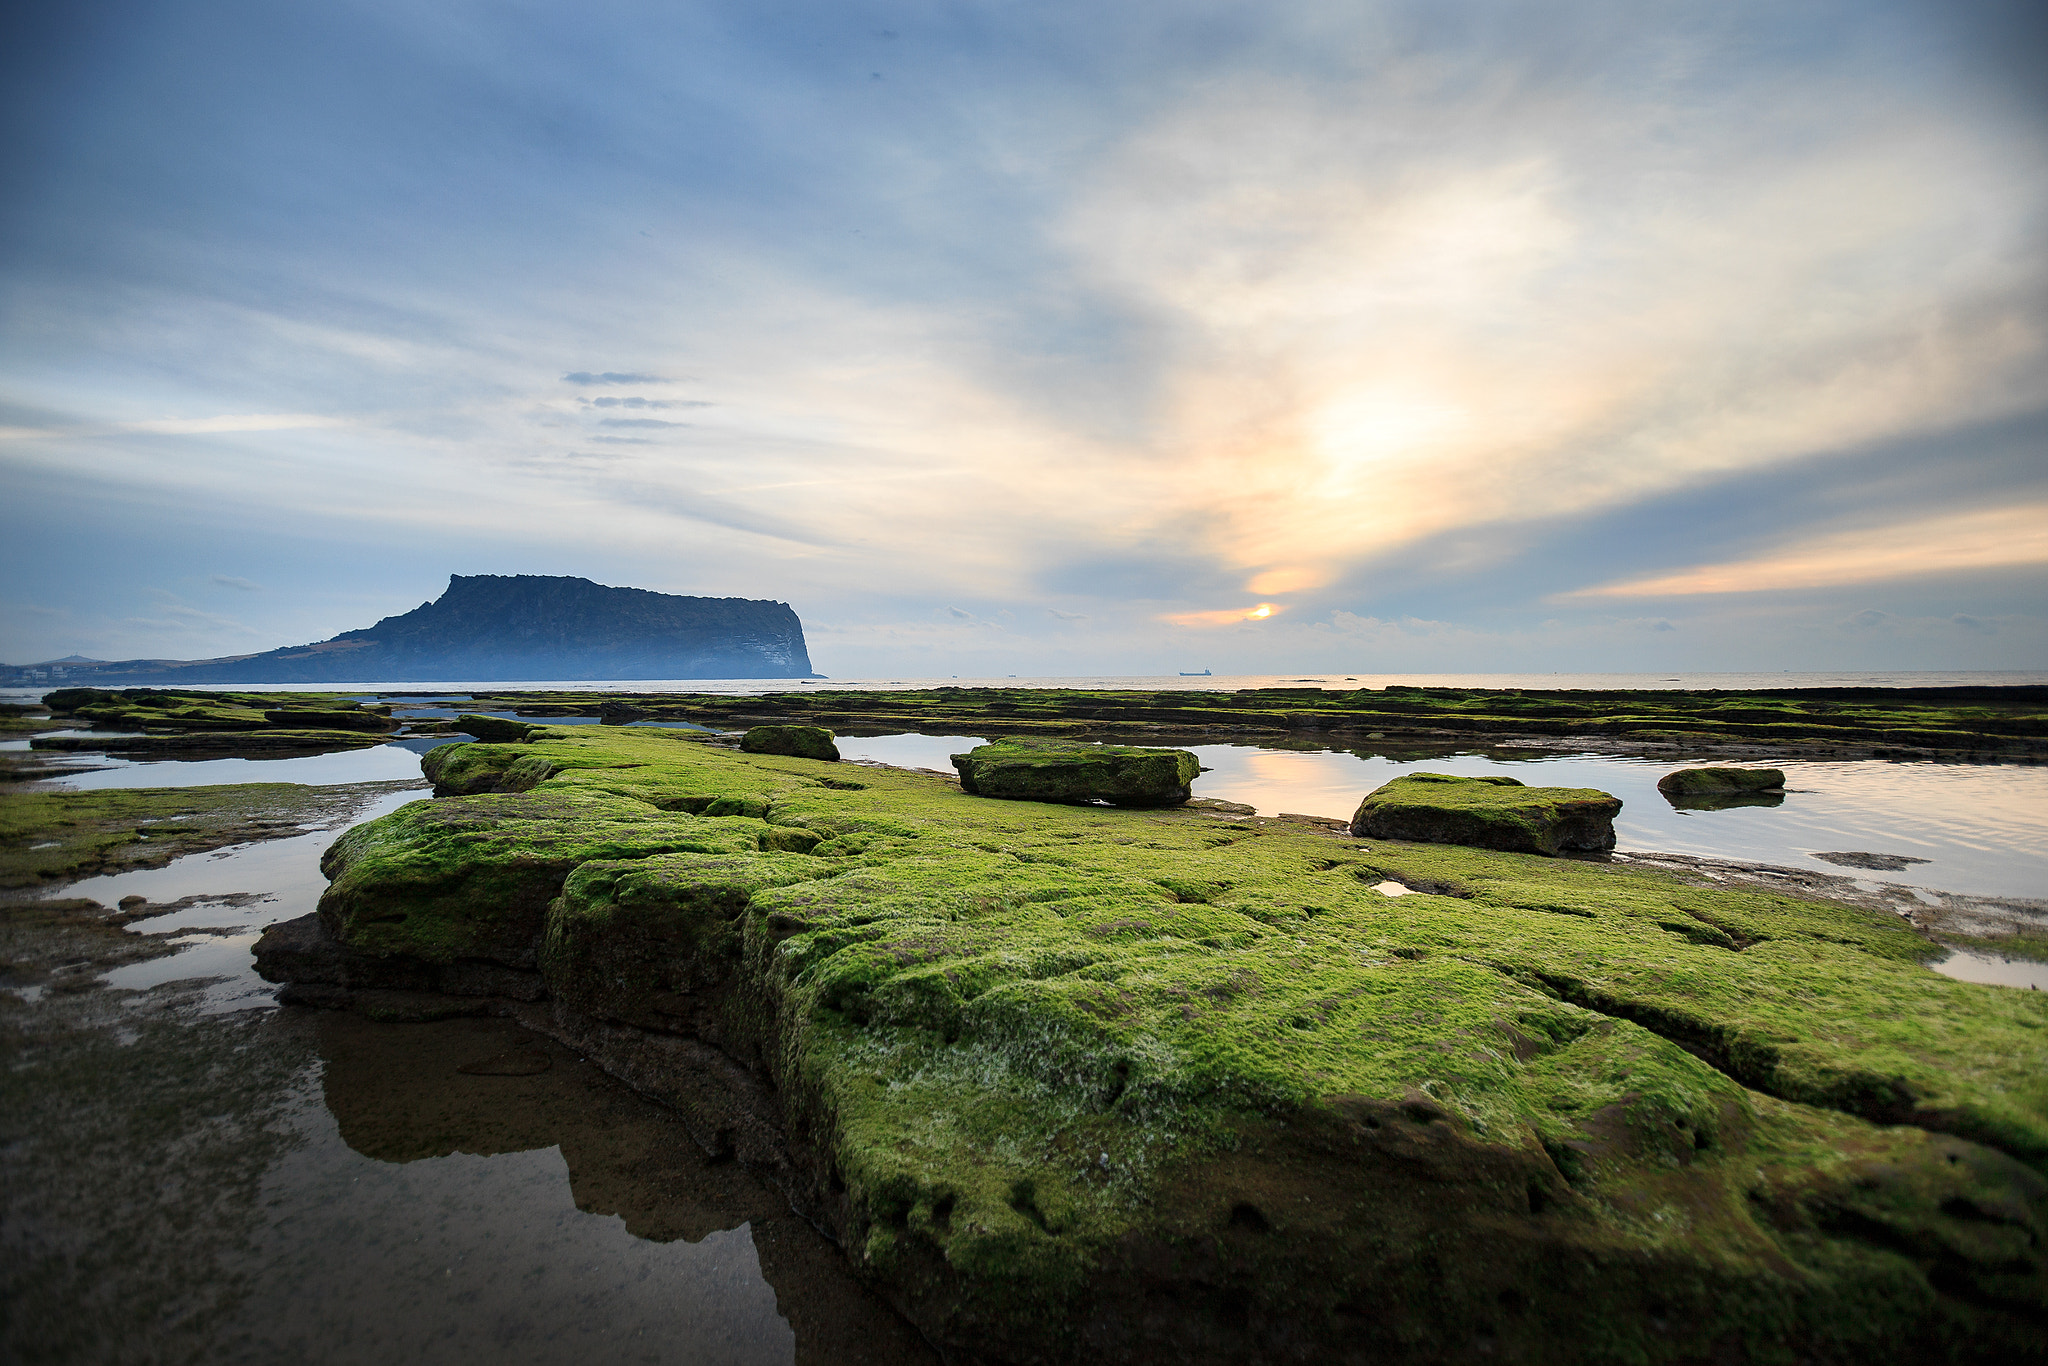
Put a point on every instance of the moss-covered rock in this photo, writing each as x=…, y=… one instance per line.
x=1489, y=813
x=802, y=742
x=1028, y=770
x=1071, y=1083
x=653, y=942
x=492, y=730
x=471, y=877
x=1720, y=782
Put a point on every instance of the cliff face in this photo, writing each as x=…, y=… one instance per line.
x=490, y=628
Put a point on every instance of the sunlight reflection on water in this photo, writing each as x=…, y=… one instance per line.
x=1983, y=828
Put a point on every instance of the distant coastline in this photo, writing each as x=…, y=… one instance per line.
x=1650, y=682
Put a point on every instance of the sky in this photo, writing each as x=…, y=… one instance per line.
x=1117, y=337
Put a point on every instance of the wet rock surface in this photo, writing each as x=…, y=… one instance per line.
x=1878, y=863
x=1021, y=769
x=1720, y=781
x=1489, y=813
x=802, y=742
x=1070, y=1083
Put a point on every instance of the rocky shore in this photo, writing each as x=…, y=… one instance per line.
x=1071, y=1082
x=1961, y=722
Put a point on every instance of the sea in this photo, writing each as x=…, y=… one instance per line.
x=1188, y=682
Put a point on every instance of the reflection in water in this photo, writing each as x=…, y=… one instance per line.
x=1722, y=801
x=1982, y=828
x=521, y=1202
x=280, y=1186
x=1994, y=970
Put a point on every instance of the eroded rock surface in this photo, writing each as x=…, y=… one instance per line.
x=1072, y=1084
x=1021, y=769
x=802, y=742
x=1489, y=813
x=1720, y=781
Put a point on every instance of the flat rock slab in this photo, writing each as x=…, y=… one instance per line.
x=1489, y=813
x=1028, y=770
x=1719, y=782
x=798, y=742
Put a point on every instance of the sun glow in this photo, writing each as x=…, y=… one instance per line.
x=1228, y=617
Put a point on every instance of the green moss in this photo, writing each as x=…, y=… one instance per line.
x=1489, y=813
x=802, y=742
x=1714, y=782
x=495, y=730
x=651, y=941
x=1048, y=1049
x=52, y=837
x=472, y=877
x=1019, y=769
x=1997, y=719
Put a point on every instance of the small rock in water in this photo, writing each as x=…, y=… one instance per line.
x=1493, y=812
x=1882, y=863
x=798, y=742
x=1706, y=782
x=1033, y=770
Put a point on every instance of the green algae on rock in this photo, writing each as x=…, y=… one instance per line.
x=48, y=837
x=1719, y=781
x=494, y=730
x=1076, y=1083
x=1879, y=721
x=1489, y=813
x=801, y=742
x=1020, y=769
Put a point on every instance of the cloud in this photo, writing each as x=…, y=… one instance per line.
x=183, y=426
x=1230, y=616
x=637, y=402
x=176, y=619
x=610, y=377
x=1067, y=616
x=1996, y=538
x=243, y=585
x=622, y=440
x=638, y=422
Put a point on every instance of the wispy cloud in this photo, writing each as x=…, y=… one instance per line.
x=240, y=585
x=636, y=401
x=2003, y=538
x=1363, y=314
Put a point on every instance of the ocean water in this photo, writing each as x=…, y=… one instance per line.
x=1338, y=682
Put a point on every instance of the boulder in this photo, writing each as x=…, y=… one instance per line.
x=1720, y=782
x=492, y=730
x=652, y=942
x=472, y=877
x=619, y=713
x=1489, y=813
x=798, y=742
x=1031, y=770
